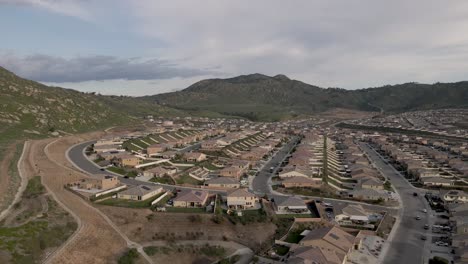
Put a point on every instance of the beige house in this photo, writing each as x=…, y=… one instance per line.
x=241, y=199
x=372, y=183
x=294, y=172
x=222, y=182
x=128, y=160
x=156, y=149
x=99, y=181
x=194, y=156
x=160, y=171
x=455, y=196
x=140, y=192
x=305, y=255
x=232, y=171
x=329, y=238
x=302, y=182
x=191, y=198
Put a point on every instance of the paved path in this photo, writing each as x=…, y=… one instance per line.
x=404, y=242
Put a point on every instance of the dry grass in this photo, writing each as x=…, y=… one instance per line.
x=142, y=225
x=96, y=241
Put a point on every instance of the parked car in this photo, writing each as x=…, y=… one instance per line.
x=423, y=237
x=426, y=226
x=418, y=217
x=415, y=194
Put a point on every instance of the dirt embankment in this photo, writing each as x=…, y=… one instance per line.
x=8, y=183
x=142, y=225
x=95, y=241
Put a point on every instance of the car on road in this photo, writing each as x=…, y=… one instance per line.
x=423, y=237
x=426, y=226
x=441, y=244
x=424, y=210
x=417, y=217
x=415, y=194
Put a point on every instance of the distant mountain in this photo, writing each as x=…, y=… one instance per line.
x=261, y=97
x=28, y=108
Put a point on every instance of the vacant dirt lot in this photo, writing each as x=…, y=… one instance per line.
x=142, y=225
x=96, y=241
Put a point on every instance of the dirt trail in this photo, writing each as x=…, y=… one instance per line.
x=95, y=241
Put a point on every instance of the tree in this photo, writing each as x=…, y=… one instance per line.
x=438, y=260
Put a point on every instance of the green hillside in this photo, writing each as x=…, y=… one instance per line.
x=31, y=109
x=260, y=97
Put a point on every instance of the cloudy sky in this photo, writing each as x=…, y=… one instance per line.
x=147, y=46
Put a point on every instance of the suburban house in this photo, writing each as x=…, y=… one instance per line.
x=128, y=160
x=329, y=238
x=222, y=182
x=455, y=196
x=369, y=194
x=290, y=204
x=231, y=171
x=160, y=171
x=352, y=214
x=372, y=183
x=140, y=192
x=312, y=255
x=106, y=148
x=156, y=149
x=437, y=181
x=296, y=172
x=194, y=156
x=240, y=199
x=291, y=182
x=99, y=181
x=191, y=198
x=211, y=145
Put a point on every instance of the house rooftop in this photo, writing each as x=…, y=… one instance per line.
x=240, y=193
x=289, y=201
x=191, y=196
x=222, y=180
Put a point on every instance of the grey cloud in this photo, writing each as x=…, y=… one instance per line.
x=47, y=68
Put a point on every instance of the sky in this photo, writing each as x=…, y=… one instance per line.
x=144, y=47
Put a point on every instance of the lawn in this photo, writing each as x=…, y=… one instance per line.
x=249, y=216
x=281, y=250
x=186, y=179
x=294, y=236
x=185, y=210
x=117, y=170
x=163, y=180
x=123, y=172
x=282, y=226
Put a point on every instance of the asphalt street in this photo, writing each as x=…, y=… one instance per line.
x=80, y=161
x=406, y=245
x=261, y=184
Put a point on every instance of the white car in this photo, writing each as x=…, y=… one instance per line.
x=424, y=210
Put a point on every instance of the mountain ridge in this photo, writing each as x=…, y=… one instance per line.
x=256, y=95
